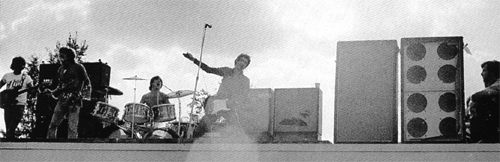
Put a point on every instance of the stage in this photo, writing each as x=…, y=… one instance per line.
x=211, y=150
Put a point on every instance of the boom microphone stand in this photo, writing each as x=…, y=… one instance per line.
x=189, y=131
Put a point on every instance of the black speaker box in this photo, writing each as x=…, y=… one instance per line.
x=99, y=75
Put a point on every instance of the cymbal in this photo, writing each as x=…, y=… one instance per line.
x=180, y=93
x=134, y=78
x=109, y=90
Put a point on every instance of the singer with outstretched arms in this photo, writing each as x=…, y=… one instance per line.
x=233, y=89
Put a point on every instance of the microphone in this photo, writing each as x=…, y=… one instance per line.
x=208, y=25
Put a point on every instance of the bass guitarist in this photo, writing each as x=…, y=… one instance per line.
x=14, y=102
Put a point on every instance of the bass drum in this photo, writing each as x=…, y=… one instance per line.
x=115, y=132
x=160, y=134
x=118, y=134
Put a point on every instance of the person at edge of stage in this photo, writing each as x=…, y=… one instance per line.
x=73, y=79
x=234, y=89
x=485, y=105
x=15, y=81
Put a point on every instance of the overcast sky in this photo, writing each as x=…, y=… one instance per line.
x=292, y=43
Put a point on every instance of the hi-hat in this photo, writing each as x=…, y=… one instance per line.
x=108, y=90
x=180, y=93
x=134, y=78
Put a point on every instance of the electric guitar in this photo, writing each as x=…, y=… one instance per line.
x=8, y=96
x=214, y=105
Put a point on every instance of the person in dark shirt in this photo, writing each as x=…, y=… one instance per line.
x=73, y=79
x=485, y=106
x=231, y=96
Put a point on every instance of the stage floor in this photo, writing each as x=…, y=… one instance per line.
x=211, y=150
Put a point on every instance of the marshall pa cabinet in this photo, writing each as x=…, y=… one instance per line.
x=432, y=86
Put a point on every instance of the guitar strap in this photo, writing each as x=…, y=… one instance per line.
x=23, y=77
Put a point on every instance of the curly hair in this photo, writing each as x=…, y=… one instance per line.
x=18, y=63
x=68, y=51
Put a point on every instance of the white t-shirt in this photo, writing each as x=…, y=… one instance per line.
x=11, y=81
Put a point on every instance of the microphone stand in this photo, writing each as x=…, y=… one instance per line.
x=197, y=78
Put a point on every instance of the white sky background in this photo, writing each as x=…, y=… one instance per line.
x=292, y=43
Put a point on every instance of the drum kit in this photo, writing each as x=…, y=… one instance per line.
x=139, y=119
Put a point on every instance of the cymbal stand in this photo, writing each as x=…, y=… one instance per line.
x=133, y=109
x=178, y=124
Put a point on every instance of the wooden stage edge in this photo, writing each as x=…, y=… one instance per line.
x=68, y=151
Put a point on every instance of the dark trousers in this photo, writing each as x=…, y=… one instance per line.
x=484, y=131
x=13, y=115
x=71, y=107
x=485, y=123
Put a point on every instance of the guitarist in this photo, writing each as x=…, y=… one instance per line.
x=14, y=103
x=73, y=79
x=234, y=89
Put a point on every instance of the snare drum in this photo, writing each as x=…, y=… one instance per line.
x=140, y=115
x=163, y=112
x=105, y=112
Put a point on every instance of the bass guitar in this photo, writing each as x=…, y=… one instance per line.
x=8, y=96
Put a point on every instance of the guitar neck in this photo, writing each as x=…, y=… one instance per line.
x=27, y=89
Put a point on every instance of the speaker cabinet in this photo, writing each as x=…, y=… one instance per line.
x=256, y=118
x=432, y=89
x=365, y=92
x=99, y=75
x=297, y=114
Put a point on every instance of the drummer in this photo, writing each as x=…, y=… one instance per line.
x=155, y=97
